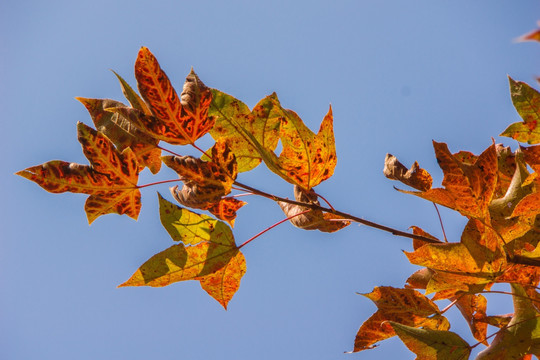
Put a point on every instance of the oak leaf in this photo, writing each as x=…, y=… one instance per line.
x=175, y=121
x=526, y=100
x=240, y=126
x=431, y=344
x=110, y=179
x=468, y=188
x=208, y=253
x=312, y=219
x=122, y=132
x=404, y=306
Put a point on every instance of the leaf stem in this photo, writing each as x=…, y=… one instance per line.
x=440, y=220
x=271, y=227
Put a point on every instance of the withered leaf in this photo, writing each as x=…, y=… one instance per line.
x=110, y=179
x=122, y=132
x=415, y=177
x=313, y=219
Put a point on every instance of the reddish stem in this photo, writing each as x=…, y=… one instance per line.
x=440, y=220
x=271, y=227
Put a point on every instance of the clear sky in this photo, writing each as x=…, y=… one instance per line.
x=397, y=73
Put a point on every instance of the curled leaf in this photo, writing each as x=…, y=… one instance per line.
x=312, y=219
x=414, y=177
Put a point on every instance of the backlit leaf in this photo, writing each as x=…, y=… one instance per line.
x=527, y=103
x=177, y=123
x=522, y=334
x=468, y=188
x=236, y=123
x=131, y=96
x=208, y=253
x=110, y=179
x=431, y=344
x=405, y=306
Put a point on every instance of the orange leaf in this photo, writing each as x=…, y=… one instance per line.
x=468, y=188
x=526, y=100
x=178, y=123
x=110, y=179
x=473, y=308
x=530, y=204
x=226, y=209
x=531, y=36
x=404, y=306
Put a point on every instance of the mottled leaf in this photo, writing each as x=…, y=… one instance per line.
x=236, y=123
x=431, y=344
x=527, y=103
x=208, y=253
x=468, y=188
x=176, y=124
x=110, y=179
x=405, y=306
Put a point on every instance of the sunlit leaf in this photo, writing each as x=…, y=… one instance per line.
x=110, y=179
x=522, y=334
x=527, y=103
x=468, y=188
x=236, y=123
x=208, y=253
x=431, y=344
x=405, y=306
x=177, y=123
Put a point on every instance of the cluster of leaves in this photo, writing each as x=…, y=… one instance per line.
x=497, y=191
x=127, y=140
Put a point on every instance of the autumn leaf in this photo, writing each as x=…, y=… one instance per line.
x=415, y=177
x=226, y=209
x=431, y=344
x=131, y=96
x=522, y=334
x=526, y=100
x=473, y=307
x=531, y=36
x=110, y=179
x=239, y=125
x=178, y=122
x=205, y=182
x=530, y=204
x=405, y=306
x=313, y=219
x=122, y=132
x=208, y=253
x=468, y=188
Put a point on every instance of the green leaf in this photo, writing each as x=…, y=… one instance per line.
x=134, y=99
x=432, y=344
x=249, y=133
x=527, y=103
x=192, y=228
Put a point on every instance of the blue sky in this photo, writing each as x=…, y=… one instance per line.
x=398, y=75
